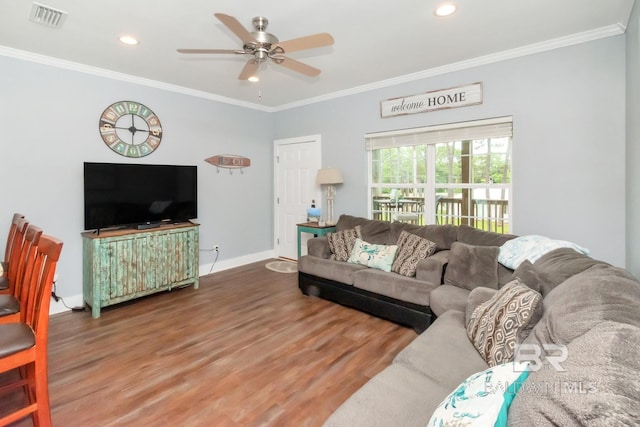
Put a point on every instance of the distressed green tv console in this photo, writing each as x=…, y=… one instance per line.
x=120, y=265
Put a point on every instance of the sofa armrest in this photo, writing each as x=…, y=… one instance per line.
x=318, y=246
x=431, y=269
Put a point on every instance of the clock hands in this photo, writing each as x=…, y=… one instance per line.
x=133, y=129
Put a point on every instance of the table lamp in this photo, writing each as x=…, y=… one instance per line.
x=329, y=177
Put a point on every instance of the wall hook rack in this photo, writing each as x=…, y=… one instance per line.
x=229, y=161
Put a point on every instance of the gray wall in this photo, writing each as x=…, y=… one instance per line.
x=633, y=142
x=569, y=138
x=569, y=148
x=49, y=121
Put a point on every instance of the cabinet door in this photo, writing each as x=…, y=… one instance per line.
x=168, y=258
x=120, y=267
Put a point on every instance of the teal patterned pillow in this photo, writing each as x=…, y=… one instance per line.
x=375, y=256
x=483, y=399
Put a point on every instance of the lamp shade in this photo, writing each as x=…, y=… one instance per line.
x=329, y=176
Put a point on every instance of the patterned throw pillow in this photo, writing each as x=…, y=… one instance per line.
x=497, y=325
x=375, y=256
x=483, y=399
x=411, y=249
x=341, y=243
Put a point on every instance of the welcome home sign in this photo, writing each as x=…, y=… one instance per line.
x=454, y=97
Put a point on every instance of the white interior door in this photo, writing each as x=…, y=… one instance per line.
x=296, y=165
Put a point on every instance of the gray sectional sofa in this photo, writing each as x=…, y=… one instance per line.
x=404, y=300
x=585, y=369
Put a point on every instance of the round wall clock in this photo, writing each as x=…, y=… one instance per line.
x=130, y=129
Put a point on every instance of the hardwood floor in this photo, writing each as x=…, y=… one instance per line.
x=246, y=349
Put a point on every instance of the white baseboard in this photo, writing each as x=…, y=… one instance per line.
x=234, y=262
x=78, y=301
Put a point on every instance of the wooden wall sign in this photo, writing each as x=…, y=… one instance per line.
x=229, y=161
x=454, y=97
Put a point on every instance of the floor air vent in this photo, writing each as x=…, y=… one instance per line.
x=47, y=15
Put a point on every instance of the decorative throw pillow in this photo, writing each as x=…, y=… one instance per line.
x=532, y=247
x=411, y=249
x=375, y=256
x=472, y=266
x=483, y=399
x=497, y=325
x=341, y=243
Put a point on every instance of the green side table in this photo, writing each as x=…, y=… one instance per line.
x=313, y=228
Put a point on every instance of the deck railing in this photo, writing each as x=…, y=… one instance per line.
x=485, y=214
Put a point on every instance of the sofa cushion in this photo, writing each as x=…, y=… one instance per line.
x=526, y=273
x=394, y=286
x=532, y=247
x=373, y=231
x=496, y=326
x=443, y=352
x=371, y=255
x=333, y=270
x=442, y=235
x=471, y=266
x=483, y=399
x=411, y=249
x=599, y=294
x=448, y=297
x=394, y=397
x=477, y=237
x=600, y=385
x=319, y=246
x=341, y=243
x=558, y=265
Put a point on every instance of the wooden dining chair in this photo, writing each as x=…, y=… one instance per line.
x=23, y=345
x=12, y=231
x=13, y=304
x=13, y=247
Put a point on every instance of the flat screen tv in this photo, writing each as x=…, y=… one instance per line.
x=117, y=195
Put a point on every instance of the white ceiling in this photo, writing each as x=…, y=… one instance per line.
x=377, y=42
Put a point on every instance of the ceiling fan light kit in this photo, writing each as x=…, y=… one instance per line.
x=262, y=46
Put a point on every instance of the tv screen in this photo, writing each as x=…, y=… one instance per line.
x=117, y=194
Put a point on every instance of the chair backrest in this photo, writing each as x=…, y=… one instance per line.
x=10, y=237
x=16, y=249
x=39, y=281
x=27, y=256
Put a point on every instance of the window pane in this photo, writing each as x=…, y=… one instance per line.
x=399, y=165
x=472, y=182
x=448, y=162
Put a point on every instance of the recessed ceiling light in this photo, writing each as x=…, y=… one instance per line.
x=445, y=9
x=129, y=40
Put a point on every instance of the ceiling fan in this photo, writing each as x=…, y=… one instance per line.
x=261, y=45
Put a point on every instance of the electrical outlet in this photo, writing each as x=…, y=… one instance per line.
x=216, y=247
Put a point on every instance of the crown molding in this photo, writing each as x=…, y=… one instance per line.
x=557, y=43
x=101, y=72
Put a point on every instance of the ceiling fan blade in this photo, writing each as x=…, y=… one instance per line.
x=298, y=66
x=209, y=51
x=232, y=23
x=307, y=42
x=249, y=69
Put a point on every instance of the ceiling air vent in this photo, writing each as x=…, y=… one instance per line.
x=46, y=15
